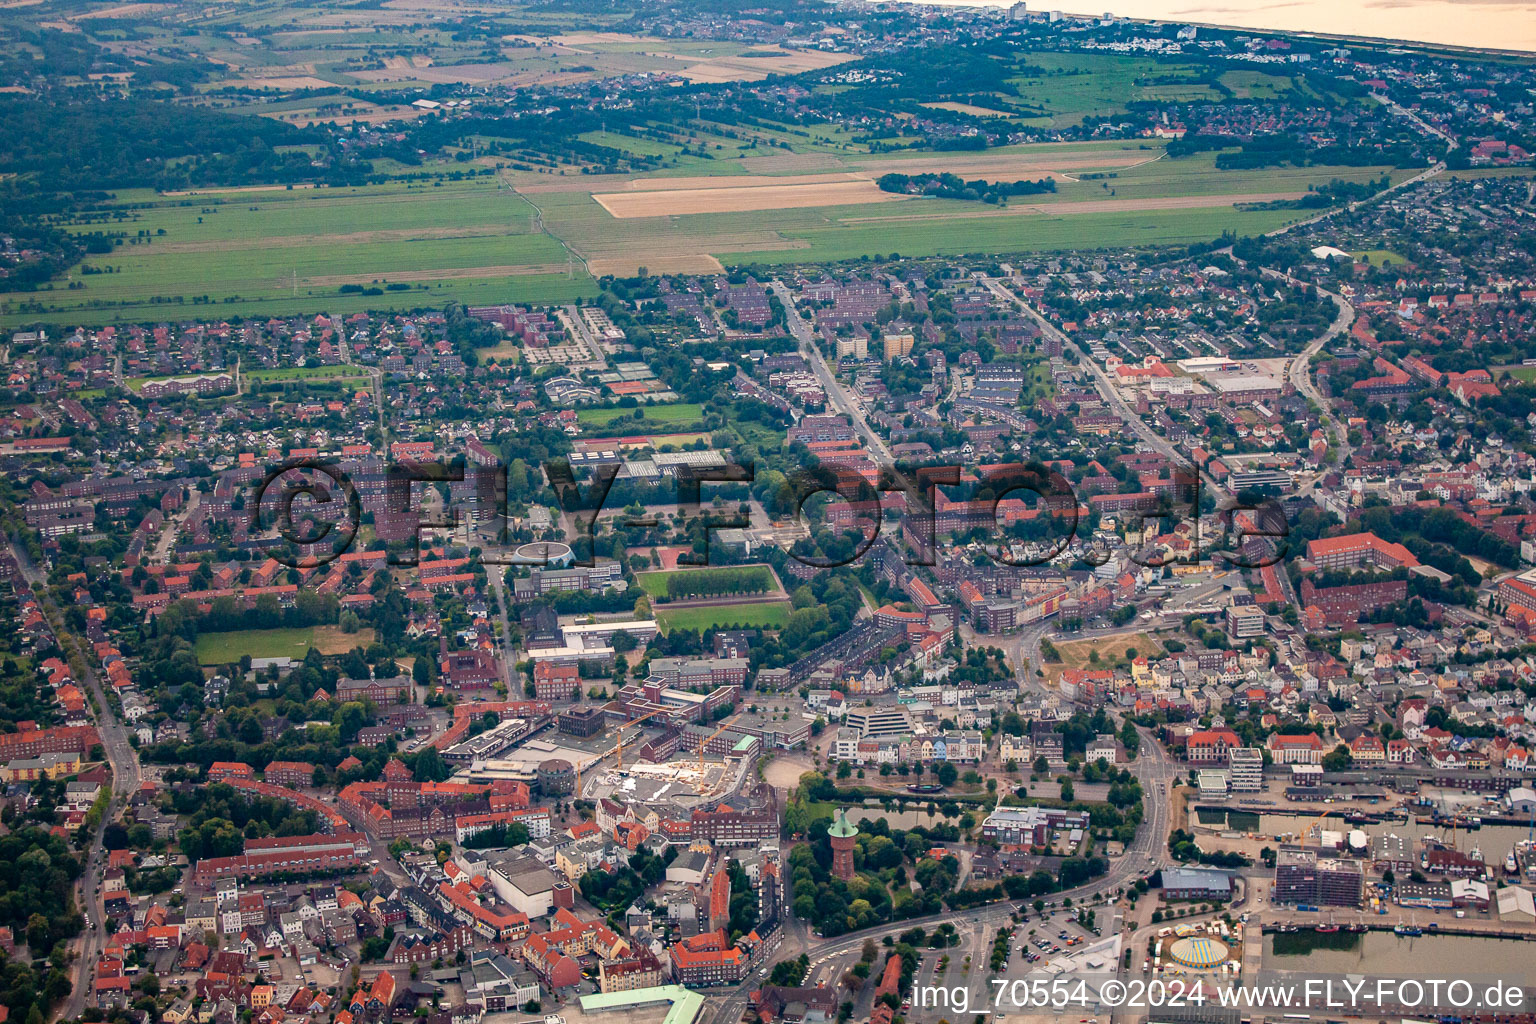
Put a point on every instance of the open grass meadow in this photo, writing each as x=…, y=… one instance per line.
x=292, y=642
x=1078, y=654
x=1066, y=87
x=653, y=416
x=1381, y=257
x=226, y=648
x=750, y=615
x=299, y=250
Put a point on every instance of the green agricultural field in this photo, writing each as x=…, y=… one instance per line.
x=759, y=615
x=654, y=416
x=1070, y=86
x=419, y=245
x=1197, y=176
x=260, y=252
x=959, y=235
x=632, y=144
x=1256, y=85
x=1150, y=199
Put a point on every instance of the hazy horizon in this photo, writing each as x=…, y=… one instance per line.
x=1495, y=26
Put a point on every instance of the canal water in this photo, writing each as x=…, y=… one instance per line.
x=1386, y=954
x=907, y=818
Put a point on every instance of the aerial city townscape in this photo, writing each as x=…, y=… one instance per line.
x=562, y=511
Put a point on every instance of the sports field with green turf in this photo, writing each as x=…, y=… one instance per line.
x=759, y=615
x=652, y=416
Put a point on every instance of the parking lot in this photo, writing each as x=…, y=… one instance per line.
x=1041, y=945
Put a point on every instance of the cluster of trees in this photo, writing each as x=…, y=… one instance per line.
x=824, y=607
x=719, y=582
x=21, y=699
x=886, y=859
x=515, y=834
x=37, y=878
x=107, y=144
x=790, y=973
x=222, y=819
x=1183, y=848
x=1338, y=191
x=830, y=904
x=615, y=891
x=743, y=901
x=981, y=666
x=1282, y=150
x=952, y=186
x=1071, y=872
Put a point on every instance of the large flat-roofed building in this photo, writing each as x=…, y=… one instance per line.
x=769, y=731
x=1244, y=386
x=600, y=634
x=1244, y=479
x=1030, y=826
x=728, y=827
x=1196, y=884
x=542, y=581
x=582, y=721
x=524, y=884
x=680, y=705
x=1246, y=768
x=876, y=722
x=687, y=672
x=1244, y=621
x=1304, y=878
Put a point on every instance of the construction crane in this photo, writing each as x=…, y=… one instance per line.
x=703, y=743
x=1316, y=823
x=581, y=766
x=637, y=721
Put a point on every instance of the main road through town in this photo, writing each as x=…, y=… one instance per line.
x=836, y=396
x=1106, y=388
x=127, y=775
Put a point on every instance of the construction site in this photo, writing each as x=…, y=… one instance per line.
x=680, y=782
x=637, y=761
